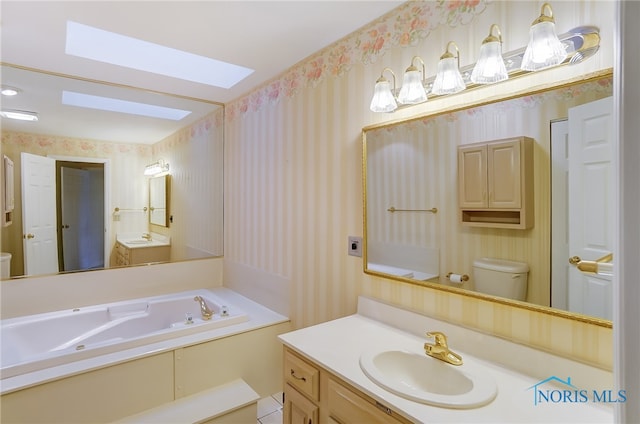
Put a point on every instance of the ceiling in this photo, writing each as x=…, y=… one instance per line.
x=267, y=36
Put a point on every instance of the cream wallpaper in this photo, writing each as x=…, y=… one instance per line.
x=198, y=147
x=293, y=180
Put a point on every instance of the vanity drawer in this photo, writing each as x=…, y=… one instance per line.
x=301, y=375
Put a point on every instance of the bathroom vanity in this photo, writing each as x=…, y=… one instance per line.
x=312, y=394
x=133, y=250
x=326, y=379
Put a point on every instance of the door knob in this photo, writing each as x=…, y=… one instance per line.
x=65, y=226
x=574, y=260
x=29, y=236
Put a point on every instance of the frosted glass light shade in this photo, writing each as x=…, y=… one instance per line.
x=383, y=100
x=490, y=66
x=412, y=91
x=544, y=49
x=448, y=79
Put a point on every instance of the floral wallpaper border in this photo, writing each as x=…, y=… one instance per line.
x=44, y=144
x=406, y=26
x=213, y=120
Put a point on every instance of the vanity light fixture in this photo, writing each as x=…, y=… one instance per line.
x=490, y=67
x=20, y=115
x=448, y=78
x=578, y=44
x=545, y=48
x=156, y=168
x=383, y=98
x=413, y=91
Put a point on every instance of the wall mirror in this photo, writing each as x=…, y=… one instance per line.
x=104, y=153
x=158, y=195
x=413, y=225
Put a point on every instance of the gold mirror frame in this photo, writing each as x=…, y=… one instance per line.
x=459, y=291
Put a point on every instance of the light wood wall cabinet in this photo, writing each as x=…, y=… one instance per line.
x=313, y=395
x=495, y=183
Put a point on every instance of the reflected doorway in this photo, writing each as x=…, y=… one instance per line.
x=80, y=222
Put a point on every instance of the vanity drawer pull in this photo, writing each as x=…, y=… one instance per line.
x=293, y=374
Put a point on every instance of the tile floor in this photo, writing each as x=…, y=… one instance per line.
x=270, y=409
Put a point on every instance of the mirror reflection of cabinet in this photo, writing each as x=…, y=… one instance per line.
x=158, y=200
x=495, y=183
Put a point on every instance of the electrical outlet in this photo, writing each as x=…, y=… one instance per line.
x=355, y=246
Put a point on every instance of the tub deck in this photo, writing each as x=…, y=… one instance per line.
x=49, y=346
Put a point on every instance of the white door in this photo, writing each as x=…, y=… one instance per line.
x=592, y=207
x=39, y=214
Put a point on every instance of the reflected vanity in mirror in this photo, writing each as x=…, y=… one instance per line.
x=418, y=230
x=158, y=195
x=104, y=153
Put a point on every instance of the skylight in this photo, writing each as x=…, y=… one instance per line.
x=104, y=46
x=71, y=98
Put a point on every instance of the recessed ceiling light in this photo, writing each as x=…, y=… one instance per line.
x=104, y=46
x=21, y=115
x=9, y=91
x=90, y=101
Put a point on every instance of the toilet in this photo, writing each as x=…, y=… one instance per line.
x=5, y=265
x=499, y=277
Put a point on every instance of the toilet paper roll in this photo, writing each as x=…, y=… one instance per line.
x=455, y=278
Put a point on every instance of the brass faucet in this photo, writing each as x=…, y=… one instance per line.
x=440, y=350
x=146, y=236
x=204, y=309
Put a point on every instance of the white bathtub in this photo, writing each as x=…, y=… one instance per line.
x=36, y=342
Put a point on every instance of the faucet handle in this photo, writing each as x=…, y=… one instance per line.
x=441, y=338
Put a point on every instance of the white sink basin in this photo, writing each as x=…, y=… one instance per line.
x=423, y=379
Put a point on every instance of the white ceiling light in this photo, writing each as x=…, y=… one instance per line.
x=9, y=91
x=20, y=115
x=104, y=46
x=89, y=101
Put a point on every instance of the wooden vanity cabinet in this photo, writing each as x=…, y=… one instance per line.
x=313, y=395
x=141, y=255
x=495, y=183
x=297, y=409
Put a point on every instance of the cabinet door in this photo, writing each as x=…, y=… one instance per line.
x=348, y=407
x=297, y=408
x=504, y=175
x=472, y=175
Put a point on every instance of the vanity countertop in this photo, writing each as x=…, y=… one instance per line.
x=136, y=241
x=337, y=345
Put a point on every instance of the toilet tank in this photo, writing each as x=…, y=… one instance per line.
x=499, y=277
